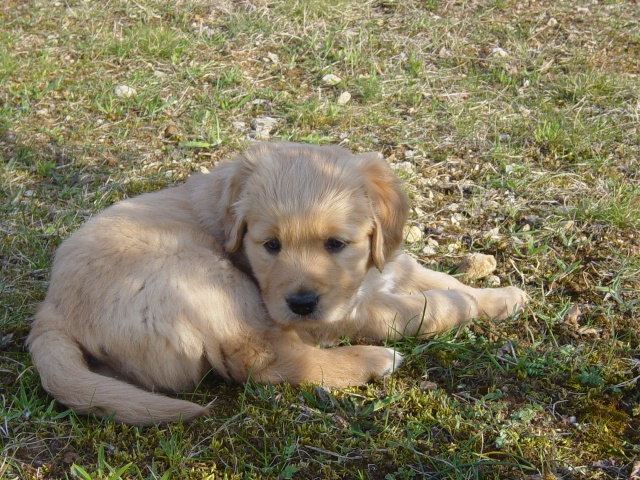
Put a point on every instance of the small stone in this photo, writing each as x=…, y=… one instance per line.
x=262, y=126
x=331, y=80
x=429, y=251
x=427, y=386
x=552, y=22
x=124, y=91
x=70, y=457
x=589, y=332
x=573, y=314
x=476, y=266
x=171, y=131
x=404, y=166
x=456, y=219
x=499, y=52
x=413, y=234
x=493, y=233
x=344, y=98
x=492, y=281
x=567, y=225
x=273, y=57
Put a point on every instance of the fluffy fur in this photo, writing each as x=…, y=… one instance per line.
x=244, y=271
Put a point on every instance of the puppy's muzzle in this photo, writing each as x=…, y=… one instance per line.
x=303, y=303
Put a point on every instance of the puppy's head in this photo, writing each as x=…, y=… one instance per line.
x=312, y=221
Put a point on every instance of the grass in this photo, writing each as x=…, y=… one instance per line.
x=516, y=129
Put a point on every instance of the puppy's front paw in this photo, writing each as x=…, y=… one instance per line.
x=501, y=303
x=382, y=361
x=396, y=361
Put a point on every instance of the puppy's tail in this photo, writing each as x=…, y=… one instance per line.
x=66, y=376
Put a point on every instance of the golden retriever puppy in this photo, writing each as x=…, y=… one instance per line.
x=243, y=271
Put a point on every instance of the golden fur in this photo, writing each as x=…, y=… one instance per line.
x=243, y=271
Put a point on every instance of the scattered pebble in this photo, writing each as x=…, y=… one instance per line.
x=124, y=91
x=331, y=80
x=171, y=131
x=404, y=166
x=476, y=266
x=456, y=219
x=70, y=457
x=567, y=225
x=552, y=22
x=5, y=341
x=499, y=52
x=427, y=386
x=429, y=251
x=572, y=315
x=492, y=281
x=262, y=126
x=589, y=332
x=344, y=98
x=493, y=233
x=413, y=234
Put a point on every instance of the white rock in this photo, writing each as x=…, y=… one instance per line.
x=413, y=234
x=344, y=98
x=477, y=265
x=404, y=166
x=124, y=91
x=492, y=281
x=331, y=80
x=429, y=251
x=493, y=233
x=499, y=52
x=262, y=126
x=273, y=57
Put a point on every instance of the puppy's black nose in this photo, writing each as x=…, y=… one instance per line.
x=302, y=303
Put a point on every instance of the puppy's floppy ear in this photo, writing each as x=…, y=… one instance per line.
x=389, y=204
x=233, y=220
x=234, y=182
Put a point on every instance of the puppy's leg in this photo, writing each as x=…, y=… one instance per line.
x=390, y=315
x=495, y=303
x=280, y=355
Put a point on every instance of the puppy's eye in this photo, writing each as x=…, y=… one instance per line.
x=272, y=246
x=333, y=245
